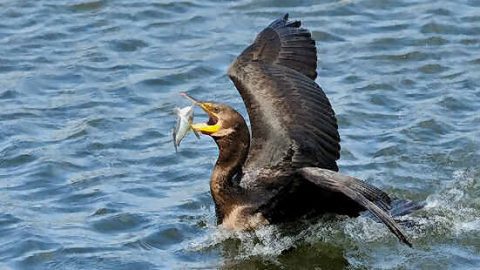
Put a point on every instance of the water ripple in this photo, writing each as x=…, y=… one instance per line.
x=89, y=178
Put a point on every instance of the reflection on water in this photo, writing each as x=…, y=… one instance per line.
x=89, y=178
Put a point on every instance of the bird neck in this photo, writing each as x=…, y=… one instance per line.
x=233, y=151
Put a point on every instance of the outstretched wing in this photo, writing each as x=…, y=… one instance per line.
x=369, y=197
x=291, y=118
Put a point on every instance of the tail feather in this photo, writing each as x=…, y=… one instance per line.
x=402, y=207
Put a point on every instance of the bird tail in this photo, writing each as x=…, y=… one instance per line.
x=402, y=207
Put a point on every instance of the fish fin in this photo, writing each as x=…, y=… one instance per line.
x=174, y=135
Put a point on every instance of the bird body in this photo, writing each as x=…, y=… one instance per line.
x=287, y=168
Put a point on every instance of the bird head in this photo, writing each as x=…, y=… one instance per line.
x=223, y=120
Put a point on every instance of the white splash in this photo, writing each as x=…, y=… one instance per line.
x=454, y=210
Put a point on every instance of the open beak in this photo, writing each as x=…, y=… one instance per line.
x=212, y=125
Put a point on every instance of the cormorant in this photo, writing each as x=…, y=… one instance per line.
x=287, y=169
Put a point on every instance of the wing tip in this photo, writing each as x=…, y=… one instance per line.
x=283, y=22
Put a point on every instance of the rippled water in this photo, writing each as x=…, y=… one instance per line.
x=89, y=178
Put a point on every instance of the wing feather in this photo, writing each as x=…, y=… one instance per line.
x=284, y=43
x=369, y=197
x=291, y=117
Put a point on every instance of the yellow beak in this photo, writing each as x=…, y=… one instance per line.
x=205, y=128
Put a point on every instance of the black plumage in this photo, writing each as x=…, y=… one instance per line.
x=287, y=168
x=289, y=112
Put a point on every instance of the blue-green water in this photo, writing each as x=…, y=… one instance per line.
x=89, y=178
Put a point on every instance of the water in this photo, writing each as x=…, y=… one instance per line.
x=89, y=178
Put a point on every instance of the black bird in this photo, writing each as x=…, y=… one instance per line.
x=288, y=168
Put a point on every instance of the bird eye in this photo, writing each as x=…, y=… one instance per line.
x=216, y=110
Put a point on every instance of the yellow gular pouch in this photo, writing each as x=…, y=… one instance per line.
x=205, y=128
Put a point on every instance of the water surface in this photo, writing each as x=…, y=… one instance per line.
x=89, y=178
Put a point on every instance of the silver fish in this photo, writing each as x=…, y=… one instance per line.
x=184, y=125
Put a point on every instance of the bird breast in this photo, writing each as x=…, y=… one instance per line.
x=240, y=219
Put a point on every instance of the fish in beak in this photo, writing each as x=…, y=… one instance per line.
x=184, y=123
